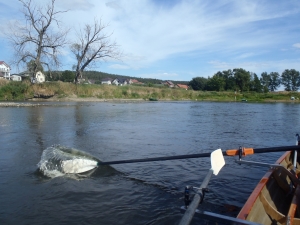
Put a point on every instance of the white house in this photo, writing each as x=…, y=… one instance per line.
x=38, y=78
x=15, y=77
x=106, y=81
x=4, y=70
x=120, y=81
x=115, y=81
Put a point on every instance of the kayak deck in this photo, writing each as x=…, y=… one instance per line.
x=276, y=197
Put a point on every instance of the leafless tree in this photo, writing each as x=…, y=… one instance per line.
x=40, y=38
x=93, y=45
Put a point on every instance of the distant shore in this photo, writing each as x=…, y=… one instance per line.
x=39, y=101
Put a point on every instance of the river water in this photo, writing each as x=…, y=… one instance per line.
x=141, y=193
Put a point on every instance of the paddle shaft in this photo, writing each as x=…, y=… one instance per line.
x=188, y=216
x=200, y=155
x=276, y=149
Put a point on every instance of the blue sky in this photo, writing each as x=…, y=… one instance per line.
x=180, y=40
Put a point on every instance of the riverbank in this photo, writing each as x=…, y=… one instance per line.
x=69, y=92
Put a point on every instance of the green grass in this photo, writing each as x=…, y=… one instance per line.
x=10, y=90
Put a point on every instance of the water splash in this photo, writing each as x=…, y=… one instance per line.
x=59, y=160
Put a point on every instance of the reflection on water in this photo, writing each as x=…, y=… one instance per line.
x=141, y=193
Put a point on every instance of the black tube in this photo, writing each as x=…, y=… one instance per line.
x=200, y=155
x=156, y=159
x=276, y=149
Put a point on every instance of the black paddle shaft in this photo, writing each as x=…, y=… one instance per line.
x=200, y=155
x=276, y=149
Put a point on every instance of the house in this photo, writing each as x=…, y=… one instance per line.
x=182, y=86
x=38, y=78
x=115, y=81
x=169, y=84
x=120, y=81
x=106, y=80
x=24, y=75
x=134, y=81
x=15, y=77
x=4, y=70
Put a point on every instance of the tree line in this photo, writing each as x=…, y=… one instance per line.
x=241, y=80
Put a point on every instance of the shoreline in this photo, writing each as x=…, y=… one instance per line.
x=38, y=101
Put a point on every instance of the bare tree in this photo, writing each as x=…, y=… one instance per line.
x=40, y=38
x=93, y=45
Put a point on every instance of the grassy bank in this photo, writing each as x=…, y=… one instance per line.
x=16, y=91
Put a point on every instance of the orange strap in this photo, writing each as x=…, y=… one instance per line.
x=246, y=151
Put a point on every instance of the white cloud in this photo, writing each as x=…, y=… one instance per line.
x=257, y=66
x=297, y=45
x=83, y=5
x=160, y=75
x=152, y=34
x=119, y=66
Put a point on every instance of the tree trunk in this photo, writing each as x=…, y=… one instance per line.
x=78, y=76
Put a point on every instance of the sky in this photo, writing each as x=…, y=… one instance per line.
x=180, y=39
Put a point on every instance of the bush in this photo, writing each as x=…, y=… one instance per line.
x=14, y=90
x=67, y=76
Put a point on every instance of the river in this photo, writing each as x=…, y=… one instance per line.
x=141, y=193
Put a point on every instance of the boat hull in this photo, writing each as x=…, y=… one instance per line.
x=276, y=197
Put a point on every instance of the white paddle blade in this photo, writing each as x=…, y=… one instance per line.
x=217, y=161
x=78, y=165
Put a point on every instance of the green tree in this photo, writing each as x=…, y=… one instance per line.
x=242, y=79
x=255, y=83
x=275, y=81
x=198, y=83
x=230, y=83
x=290, y=79
x=67, y=76
x=265, y=81
x=216, y=83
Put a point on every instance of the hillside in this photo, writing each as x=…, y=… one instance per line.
x=97, y=76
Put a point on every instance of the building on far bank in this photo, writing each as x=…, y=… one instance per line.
x=4, y=70
x=15, y=77
x=38, y=78
x=182, y=86
x=169, y=83
x=106, y=80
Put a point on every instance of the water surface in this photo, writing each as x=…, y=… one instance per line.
x=142, y=193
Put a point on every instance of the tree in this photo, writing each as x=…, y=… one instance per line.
x=216, y=83
x=255, y=83
x=198, y=83
x=93, y=45
x=242, y=79
x=275, y=81
x=265, y=81
x=290, y=80
x=31, y=64
x=36, y=41
x=229, y=80
x=67, y=76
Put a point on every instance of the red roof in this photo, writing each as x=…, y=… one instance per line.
x=183, y=86
x=3, y=63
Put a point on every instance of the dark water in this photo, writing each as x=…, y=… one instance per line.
x=143, y=193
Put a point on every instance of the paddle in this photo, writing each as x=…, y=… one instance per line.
x=83, y=165
x=217, y=162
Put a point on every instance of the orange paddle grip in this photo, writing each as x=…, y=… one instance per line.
x=246, y=151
